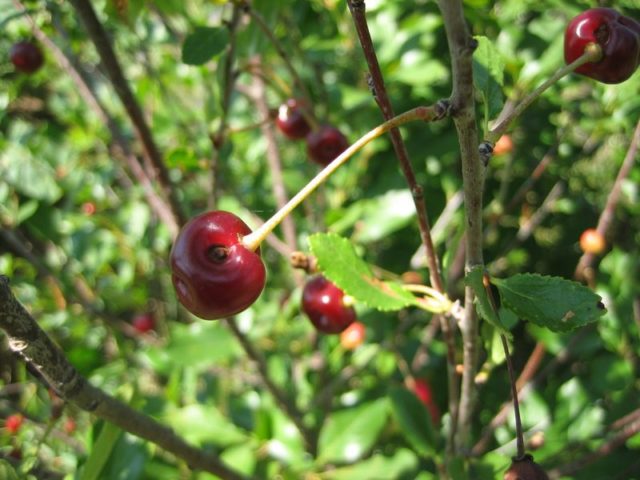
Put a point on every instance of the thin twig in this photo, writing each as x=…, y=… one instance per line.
x=110, y=63
x=120, y=146
x=606, y=217
x=27, y=339
x=461, y=47
x=285, y=404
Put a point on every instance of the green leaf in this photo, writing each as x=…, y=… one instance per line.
x=6, y=471
x=339, y=262
x=401, y=465
x=204, y=423
x=349, y=434
x=100, y=452
x=488, y=75
x=414, y=420
x=203, y=44
x=556, y=303
x=29, y=175
x=483, y=304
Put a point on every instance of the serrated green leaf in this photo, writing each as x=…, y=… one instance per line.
x=349, y=434
x=556, y=303
x=414, y=420
x=203, y=44
x=339, y=262
x=483, y=304
x=488, y=75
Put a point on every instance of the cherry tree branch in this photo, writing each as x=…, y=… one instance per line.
x=281, y=398
x=120, y=147
x=358, y=13
x=461, y=47
x=606, y=217
x=27, y=339
x=101, y=40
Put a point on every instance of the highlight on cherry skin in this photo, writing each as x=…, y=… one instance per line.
x=617, y=35
x=326, y=306
x=291, y=120
x=214, y=274
x=325, y=144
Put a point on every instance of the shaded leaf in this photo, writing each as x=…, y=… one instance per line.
x=339, y=262
x=348, y=434
x=488, y=75
x=203, y=44
x=553, y=302
x=483, y=304
x=414, y=420
x=401, y=464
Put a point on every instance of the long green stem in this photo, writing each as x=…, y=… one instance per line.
x=592, y=53
x=425, y=113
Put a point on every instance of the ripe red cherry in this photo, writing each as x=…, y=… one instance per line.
x=13, y=423
x=213, y=273
x=619, y=37
x=525, y=469
x=353, y=336
x=26, y=57
x=592, y=241
x=325, y=144
x=324, y=304
x=291, y=120
x=422, y=389
x=143, y=323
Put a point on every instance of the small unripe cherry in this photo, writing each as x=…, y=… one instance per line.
x=422, y=389
x=503, y=145
x=592, y=241
x=353, y=336
x=214, y=274
x=13, y=423
x=525, y=469
x=143, y=322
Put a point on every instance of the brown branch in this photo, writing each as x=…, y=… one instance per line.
x=113, y=70
x=461, y=47
x=28, y=340
x=281, y=398
x=358, y=12
x=606, y=217
x=120, y=146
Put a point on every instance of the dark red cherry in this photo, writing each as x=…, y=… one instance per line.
x=325, y=144
x=619, y=37
x=291, y=120
x=143, y=322
x=214, y=274
x=525, y=469
x=324, y=304
x=26, y=57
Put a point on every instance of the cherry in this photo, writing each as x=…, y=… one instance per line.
x=617, y=35
x=69, y=426
x=324, y=304
x=592, y=241
x=325, y=144
x=291, y=120
x=13, y=423
x=143, y=323
x=26, y=57
x=525, y=469
x=353, y=336
x=213, y=273
x=503, y=145
x=422, y=389
x=88, y=208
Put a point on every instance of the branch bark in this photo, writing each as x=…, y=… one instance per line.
x=461, y=47
x=113, y=70
x=28, y=340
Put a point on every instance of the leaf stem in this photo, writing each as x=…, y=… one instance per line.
x=425, y=113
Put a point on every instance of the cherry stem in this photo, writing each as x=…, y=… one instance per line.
x=592, y=53
x=486, y=281
x=425, y=113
